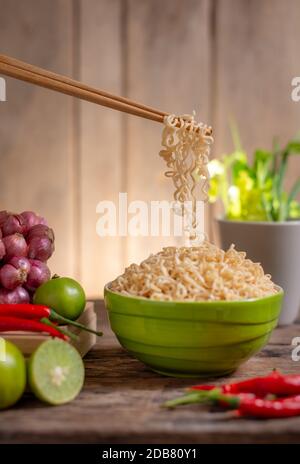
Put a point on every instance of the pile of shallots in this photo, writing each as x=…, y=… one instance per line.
x=26, y=243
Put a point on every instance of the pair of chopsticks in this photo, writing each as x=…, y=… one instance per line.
x=50, y=80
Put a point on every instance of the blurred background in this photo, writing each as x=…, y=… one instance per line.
x=225, y=59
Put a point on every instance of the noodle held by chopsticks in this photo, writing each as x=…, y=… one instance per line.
x=186, y=149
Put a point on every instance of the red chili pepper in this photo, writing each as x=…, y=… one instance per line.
x=223, y=401
x=8, y=323
x=274, y=383
x=295, y=398
x=38, y=312
x=269, y=409
x=226, y=388
x=249, y=405
x=251, y=397
x=246, y=404
x=26, y=311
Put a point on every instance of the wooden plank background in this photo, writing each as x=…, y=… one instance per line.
x=159, y=72
x=36, y=130
x=99, y=139
x=61, y=157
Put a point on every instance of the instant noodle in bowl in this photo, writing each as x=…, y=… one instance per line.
x=204, y=273
x=194, y=311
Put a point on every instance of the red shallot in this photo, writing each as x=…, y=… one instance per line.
x=40, y=248
x=31, y=219
x=19, y=262
x=40, y=230
x=13, y=224
x=14, y=273
x=15, y=245
x=17, y=296
x=39, y=273
x=11, y=278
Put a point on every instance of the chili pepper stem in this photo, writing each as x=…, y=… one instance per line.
x=58, y=318
x=195, y=397
x=69, y=334
x=216, y=396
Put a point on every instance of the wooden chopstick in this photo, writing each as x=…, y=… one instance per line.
x=74, y=90
x=26, y=72
x=44, y=78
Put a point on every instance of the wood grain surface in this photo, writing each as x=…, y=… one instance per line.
x=121, y=403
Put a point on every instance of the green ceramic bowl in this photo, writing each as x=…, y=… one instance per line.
x=192, y=339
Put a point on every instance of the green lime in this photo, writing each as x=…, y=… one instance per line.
x=12, y=374
x=55, y=372
x=66, y=296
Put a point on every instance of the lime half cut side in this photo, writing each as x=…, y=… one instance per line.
x=56, y=372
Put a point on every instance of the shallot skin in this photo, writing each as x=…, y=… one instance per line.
x=40, y=230
x=31, y=219
x=40, y=248
x=2, y=249
x=15, y=245
x=17, y=296
x=39, y=274
x=11, y=278
x=14, y=224
x=19, y=262
x=14, y=273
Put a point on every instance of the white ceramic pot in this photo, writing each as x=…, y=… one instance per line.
x=276, y=245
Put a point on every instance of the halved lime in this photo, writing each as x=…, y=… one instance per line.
x=56, y=372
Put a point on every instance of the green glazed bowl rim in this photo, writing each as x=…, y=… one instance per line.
x=199, y=304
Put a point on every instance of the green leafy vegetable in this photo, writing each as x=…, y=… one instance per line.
x=255, y=192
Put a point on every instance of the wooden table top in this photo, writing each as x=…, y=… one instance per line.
x=121, y=399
